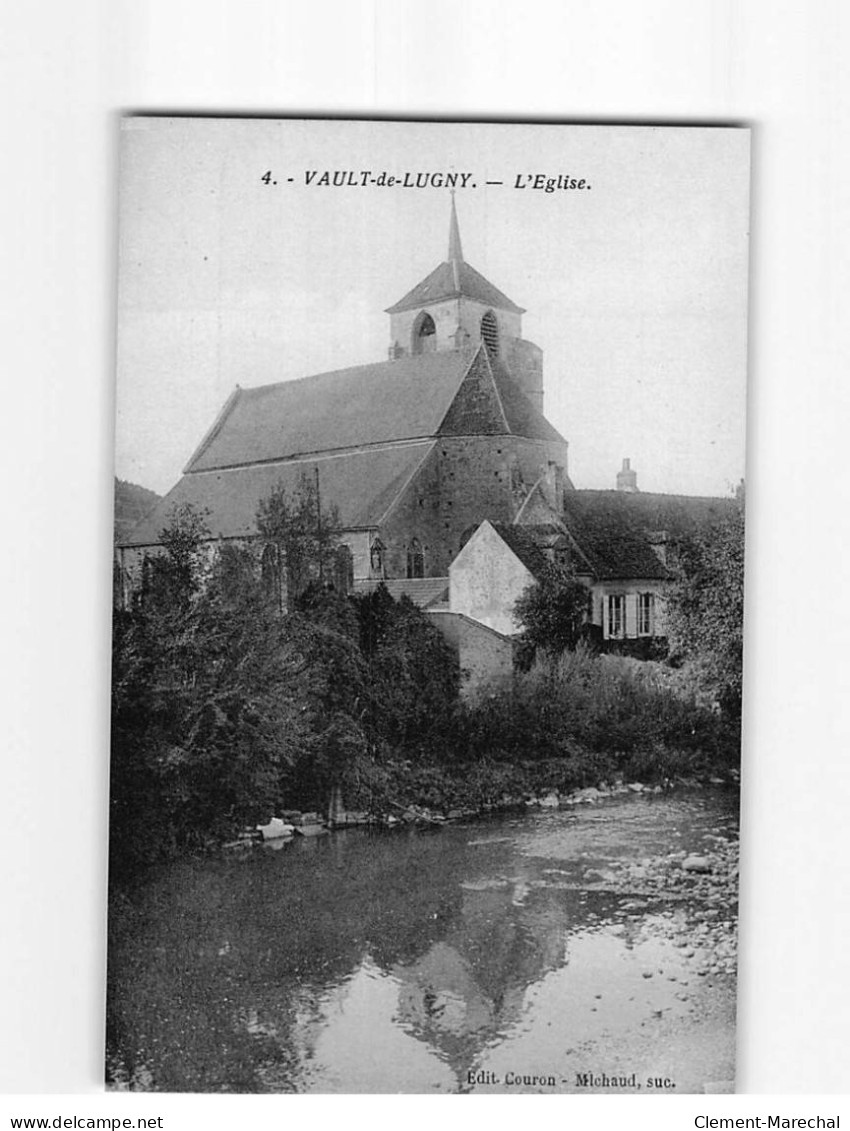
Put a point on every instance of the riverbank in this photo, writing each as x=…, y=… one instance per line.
x=402, y=791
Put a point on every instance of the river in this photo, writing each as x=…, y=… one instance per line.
x=486, y=956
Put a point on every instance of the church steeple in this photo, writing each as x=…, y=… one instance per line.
x=455, y=279
x=455, y=248
x=455, y=307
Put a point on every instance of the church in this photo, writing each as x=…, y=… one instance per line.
x=415, y=453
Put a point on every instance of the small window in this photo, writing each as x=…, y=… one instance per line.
x=646, y=609
x=415, y=559
x=616, y=616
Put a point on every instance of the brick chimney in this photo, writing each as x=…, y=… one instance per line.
x=626, y=478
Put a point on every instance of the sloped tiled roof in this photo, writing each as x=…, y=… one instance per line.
x=405, y=399
x=612, y=527
x=368, y=404
x=362, y=485
x=679, y=515
x=611, y=536
x=422, y=591
x=454, y=279
x=522, y=542
x=523, y=418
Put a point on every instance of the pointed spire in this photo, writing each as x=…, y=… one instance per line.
x=455, y=248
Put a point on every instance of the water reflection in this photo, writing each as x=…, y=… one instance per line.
x=415, y=962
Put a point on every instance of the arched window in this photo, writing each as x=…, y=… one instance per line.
x=415, y=559
x=424, y=334
x=490, y=333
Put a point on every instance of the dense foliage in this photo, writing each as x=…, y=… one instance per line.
x=231, y=704
x=299, y=534
x=706, y=614
x=131, y=504
x=553, y=613
x=605, y=715
x=226, y=710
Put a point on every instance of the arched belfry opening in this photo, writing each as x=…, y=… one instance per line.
x=424, y=334
x=490, y=333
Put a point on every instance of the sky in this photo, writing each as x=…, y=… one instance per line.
x=635, y=287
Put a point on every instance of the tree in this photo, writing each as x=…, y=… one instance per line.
x=173, y=578
x=413, y=673
x=209, y=697
x=301, y=532
x=552, y=612
x=706, y=610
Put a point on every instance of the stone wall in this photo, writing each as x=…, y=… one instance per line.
x=450, y=315
x=464, y=480
x=486, y=579
x=486, y=657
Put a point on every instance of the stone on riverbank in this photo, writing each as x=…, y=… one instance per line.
x=275, y=829
x=696, y=864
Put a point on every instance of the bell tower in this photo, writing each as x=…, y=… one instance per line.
x=454, y=308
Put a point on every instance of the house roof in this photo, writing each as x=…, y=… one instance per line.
x=523, y=542
x=362, y=486
x=422, y=591
x=613, y=527
x=678, y=515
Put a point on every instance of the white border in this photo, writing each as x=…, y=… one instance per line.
x=67, y=70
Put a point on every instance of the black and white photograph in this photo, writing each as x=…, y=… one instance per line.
x=289, y=834
x=428, y=600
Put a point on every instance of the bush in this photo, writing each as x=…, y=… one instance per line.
x=603, y=714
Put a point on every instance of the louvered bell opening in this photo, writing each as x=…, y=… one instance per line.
x=490, y=333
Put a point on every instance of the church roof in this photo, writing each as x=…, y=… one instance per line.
x=524, y=419
x=366, y=428
x=454, y=278
x=349, y=408
x=388, y=402
x=361, y=485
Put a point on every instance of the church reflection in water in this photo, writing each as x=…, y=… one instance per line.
x=381, y=963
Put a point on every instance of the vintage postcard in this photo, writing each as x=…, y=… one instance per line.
x=428, y=591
